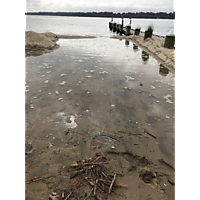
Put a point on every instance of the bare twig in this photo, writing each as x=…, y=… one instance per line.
x=95, y=187
x=99, y=158
x=89, y=194
x=145, y=131
x=31, y=151
x=68, y=196
x=38, y=179
x=112, y=184
x=75, y=174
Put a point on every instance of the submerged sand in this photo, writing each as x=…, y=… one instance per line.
x=154, y=48
x=110, y=124
x=46, y=42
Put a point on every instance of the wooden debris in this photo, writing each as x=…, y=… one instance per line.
x=112, y=184
x=91, y=130
x=90, y=173
x=68, y=196
x=89, y=194
x=35, y=179
x=144, y=130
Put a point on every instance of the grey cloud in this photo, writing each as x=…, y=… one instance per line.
x=109, y=5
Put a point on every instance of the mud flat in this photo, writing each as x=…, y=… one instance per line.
x=154, y=48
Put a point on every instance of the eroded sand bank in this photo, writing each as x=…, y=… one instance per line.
x=45, y=42
x=164, y=55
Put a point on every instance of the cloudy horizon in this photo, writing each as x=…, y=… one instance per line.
x=103, y=6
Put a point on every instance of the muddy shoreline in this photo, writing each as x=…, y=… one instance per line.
x=81, y=103
x=154, y=48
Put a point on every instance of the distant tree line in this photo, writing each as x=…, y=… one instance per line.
x=149, y=15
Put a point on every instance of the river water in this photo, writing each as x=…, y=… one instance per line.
x=101, y=84
x=90, y=26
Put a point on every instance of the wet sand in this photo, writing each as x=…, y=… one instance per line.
x=104, y=92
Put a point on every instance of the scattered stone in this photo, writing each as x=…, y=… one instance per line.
x=103, y=72
x=63, y=83
x=69, y=91
x=129, y=78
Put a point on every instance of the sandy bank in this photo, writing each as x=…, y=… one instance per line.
x=46, y=41
x=35, y=40
x=164, y=55
x=74, y=37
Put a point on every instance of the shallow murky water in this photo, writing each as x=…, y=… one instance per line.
x=96, y=96
x=101, y=83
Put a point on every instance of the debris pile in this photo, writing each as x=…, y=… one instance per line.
x=93, y=180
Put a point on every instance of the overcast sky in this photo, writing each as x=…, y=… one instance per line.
x=97, y=6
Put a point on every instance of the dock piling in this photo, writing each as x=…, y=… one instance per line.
x=111, y=24
x=117, y=27
x=128, y=29
x=114, y=26
x=137, y=30
x=170, y=39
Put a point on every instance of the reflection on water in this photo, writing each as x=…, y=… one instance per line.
x=163, y=70
x=87, y=79
x=126, y=42
x=145, y=57
x=135, y=48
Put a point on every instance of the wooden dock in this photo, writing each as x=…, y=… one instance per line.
x=155, y=37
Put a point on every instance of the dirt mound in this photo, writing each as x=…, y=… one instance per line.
x=35, y=40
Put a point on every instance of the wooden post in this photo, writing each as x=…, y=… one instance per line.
x=137, y=30
x=170, y=39
x=114, y=26
x=128, y=29
x=117, y=27
x=110, y=24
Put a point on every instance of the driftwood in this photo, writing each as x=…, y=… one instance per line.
x=90, y=173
